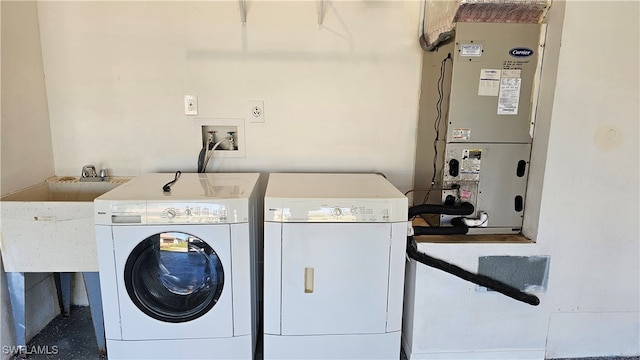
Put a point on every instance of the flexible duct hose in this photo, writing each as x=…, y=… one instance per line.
x=458, y=228
x=463, y=209
x=481, y=280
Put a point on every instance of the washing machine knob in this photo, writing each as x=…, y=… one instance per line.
x=171, y=213
x=187, y=212
x=337, y=211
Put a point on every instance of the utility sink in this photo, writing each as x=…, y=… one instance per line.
x=49, y=227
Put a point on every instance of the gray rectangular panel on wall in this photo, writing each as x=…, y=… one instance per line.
x=527, y=273
x=491, y=90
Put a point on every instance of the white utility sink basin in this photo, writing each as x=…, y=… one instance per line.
x=49, y=227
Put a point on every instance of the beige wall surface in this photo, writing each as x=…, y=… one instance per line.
x=26, y=152
x=589, y=211
x=342, y=97
x=27, y=156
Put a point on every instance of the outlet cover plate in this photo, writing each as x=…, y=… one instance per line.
x=256, y=111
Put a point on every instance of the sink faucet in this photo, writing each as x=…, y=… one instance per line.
x=89, y=171
x=90, y=174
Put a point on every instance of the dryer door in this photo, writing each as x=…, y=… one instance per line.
x=173, y=276
x=335, y=278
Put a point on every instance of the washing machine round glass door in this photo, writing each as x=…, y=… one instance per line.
x=174, y=277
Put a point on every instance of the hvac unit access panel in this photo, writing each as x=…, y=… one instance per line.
x=492, y=82
x=489, y=176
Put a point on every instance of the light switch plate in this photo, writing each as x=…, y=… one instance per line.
x=191, y=105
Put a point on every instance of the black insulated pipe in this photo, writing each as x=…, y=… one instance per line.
x=502, y=288
x=458, y=228
x=463, y=209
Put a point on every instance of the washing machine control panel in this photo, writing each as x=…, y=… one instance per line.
x=177, y=213
x=185, y=213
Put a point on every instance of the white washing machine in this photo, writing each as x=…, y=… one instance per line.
x=334, y=257
x=177, y=268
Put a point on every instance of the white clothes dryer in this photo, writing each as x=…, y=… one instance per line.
x=334, y=257
x=178, y=268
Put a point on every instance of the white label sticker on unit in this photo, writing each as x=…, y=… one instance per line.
x=471, y=50
x=514, y=73
x=509, y=96
x=470, y=167
x=489, y=82
x=461, y=134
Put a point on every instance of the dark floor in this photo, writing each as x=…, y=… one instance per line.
x=66, y=338
x=72, y=338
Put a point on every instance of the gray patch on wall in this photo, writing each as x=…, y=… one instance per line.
x=526, y=273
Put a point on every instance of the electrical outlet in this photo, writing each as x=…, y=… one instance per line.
x=256, y=111
x=190, y=105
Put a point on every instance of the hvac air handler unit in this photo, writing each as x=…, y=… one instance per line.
x=476, y=124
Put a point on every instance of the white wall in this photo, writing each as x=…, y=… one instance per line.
x=554, y=21
x=26, y=151
x=589, y=213
x=340, y=98
x=27, y=156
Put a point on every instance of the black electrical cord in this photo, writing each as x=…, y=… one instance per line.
x=436, y=124
x=167, y=186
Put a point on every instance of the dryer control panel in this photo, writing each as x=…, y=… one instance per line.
x=334, y=210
